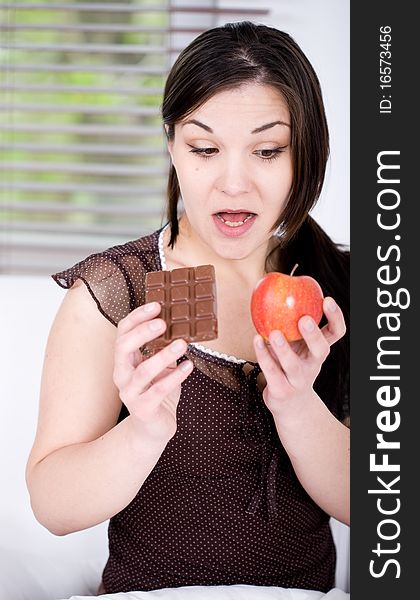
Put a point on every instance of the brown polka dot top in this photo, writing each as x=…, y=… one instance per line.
x=223, y=505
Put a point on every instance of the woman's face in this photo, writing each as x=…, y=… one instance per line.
x=233, y=161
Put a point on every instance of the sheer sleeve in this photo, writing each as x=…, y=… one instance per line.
x=115, y=278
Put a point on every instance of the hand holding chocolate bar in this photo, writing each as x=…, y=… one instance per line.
x=150, y=389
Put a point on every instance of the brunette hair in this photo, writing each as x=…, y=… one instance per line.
x=235, y=54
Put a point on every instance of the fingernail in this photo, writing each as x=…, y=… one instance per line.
x=308, y=325
x=186, y=365
x=149, y=307
x=260, y=343
x=332, y=305
x=155, y=325
x=278, y=339
x=177, y=346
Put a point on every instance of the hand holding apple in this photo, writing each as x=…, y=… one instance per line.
x=279, y=301
x=278, y=304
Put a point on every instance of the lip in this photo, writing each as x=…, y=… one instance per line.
x=233, y=232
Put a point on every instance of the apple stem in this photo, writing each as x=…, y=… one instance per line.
x=294, y=269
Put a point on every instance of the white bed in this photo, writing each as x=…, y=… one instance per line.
x=234, y=592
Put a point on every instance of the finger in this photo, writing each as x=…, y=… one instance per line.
x=126, y=352
x=318, y=345
x=139, y=336
x=140, y=314
x=336, y=326
x=152, y=367
x=271, y=352
x=290, y=362
x=165, y=371
x=152, y=398
x=276, y=378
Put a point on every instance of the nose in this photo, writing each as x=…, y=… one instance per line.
x=234, y=179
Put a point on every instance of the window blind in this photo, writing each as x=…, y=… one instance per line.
x=83, y=161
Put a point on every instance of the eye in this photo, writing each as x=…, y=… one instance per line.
x=205, y=153
x=270, y=154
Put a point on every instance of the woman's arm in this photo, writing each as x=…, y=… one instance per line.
x=317, y=443
x=319, y=448
x=83, y=468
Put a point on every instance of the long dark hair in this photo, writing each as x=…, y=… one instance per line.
x=238, y=53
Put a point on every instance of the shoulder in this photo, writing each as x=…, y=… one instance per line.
x=115, y=277
x=146, y=249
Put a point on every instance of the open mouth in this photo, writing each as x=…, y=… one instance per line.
x=234, y=219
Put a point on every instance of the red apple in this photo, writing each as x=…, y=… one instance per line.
x=279, y=301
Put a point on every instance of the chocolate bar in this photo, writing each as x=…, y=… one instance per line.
x=188, y=299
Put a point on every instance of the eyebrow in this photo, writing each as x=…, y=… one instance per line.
x=257, y=130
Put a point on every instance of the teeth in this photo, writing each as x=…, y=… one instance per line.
x=235, y=223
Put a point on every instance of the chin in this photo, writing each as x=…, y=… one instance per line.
x=232, y=253
x=229, y=249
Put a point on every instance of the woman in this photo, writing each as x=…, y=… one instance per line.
x=217, y=464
